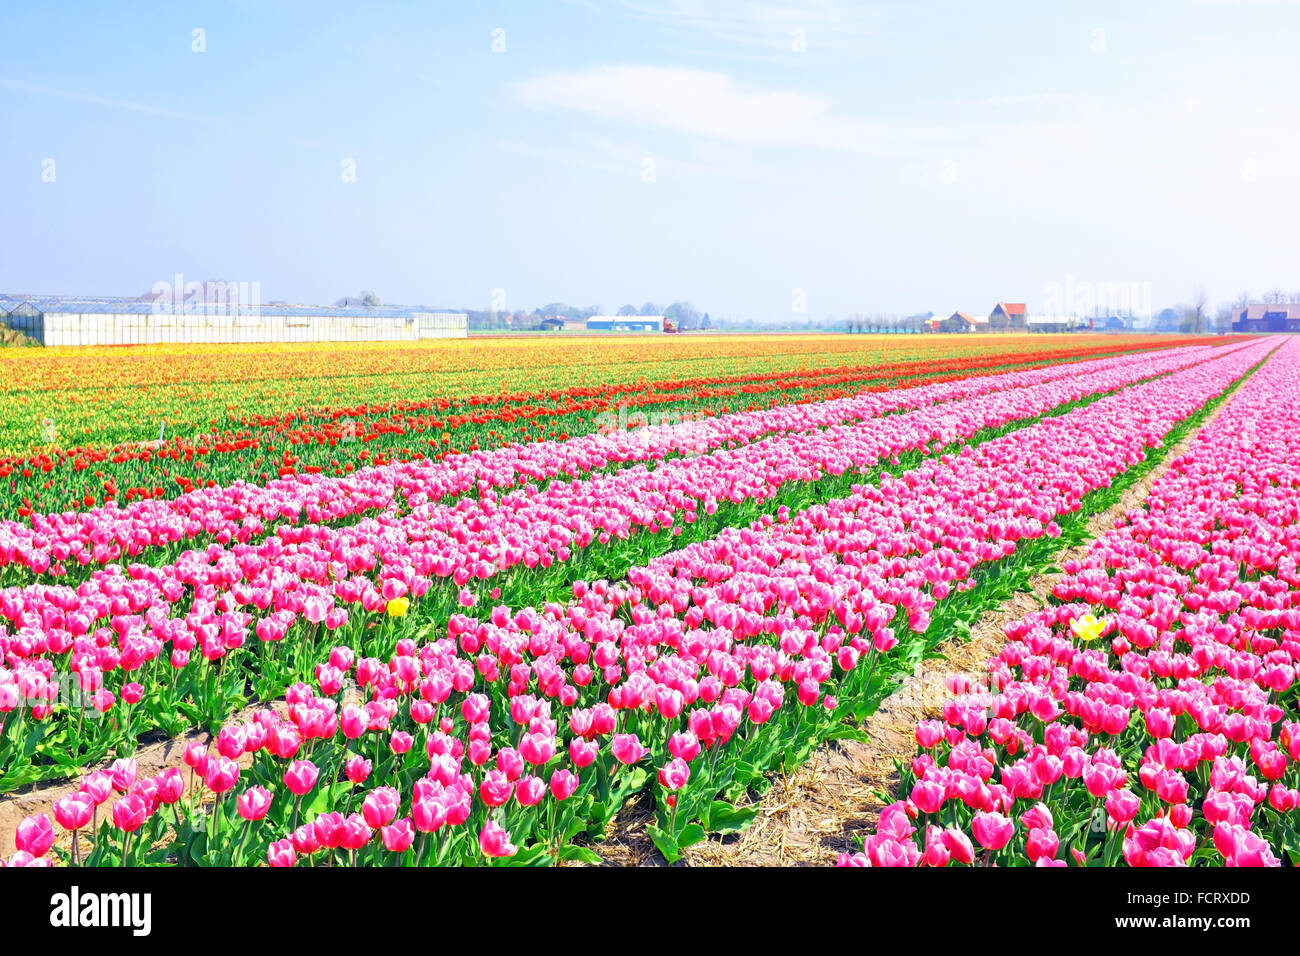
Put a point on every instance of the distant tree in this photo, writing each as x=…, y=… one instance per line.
x=651, y=309
x=370, y=300
x=705, y=323
x=627, y=310
x=1223, y=317
x=1199, y=298
x=564, y=310
x=1242, y=300
x=687, y=317
x=1275, y=295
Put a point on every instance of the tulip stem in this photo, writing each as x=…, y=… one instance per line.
x=239, y=847
x=216, y=820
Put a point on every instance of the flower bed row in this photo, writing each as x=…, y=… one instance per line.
x=333, y=424
x=508, y=737
x=59, y=542
x=1149, y=716
x=155, y=646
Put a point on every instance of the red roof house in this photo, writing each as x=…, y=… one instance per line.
x=1007, y=315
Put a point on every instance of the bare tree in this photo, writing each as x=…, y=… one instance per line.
x=1199, y=298
x=1275, y=295
x=1224, y=315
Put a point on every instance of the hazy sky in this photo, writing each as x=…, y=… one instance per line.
x=747, y=156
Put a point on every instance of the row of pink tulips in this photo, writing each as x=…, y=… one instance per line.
x=509, y=736
x=58, y=544
x=1149, y=717
x=129, y=648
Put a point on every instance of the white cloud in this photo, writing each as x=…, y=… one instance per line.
x=712, y=105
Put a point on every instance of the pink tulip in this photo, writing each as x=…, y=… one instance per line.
x=674, y=774
x=35, y=834
x=300, y=777
x=130, y=812
x=583, y=752
x=281, y=853
x=122, y=772
x=398, y=835
x=98, y=787
x=563, y=784
x=355, y=833
x=627, y=749
x=530, y=790
x=171, y=785
x=495, y=842
x=221, y=775
x=992, y=830
x=357, y=769
x=73, y=811
x=253, y=803
x=380, y=807
x=1041, y=843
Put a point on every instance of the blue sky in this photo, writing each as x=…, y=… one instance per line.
x=748, y=157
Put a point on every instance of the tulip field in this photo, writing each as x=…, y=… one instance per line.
x=1149, y=716
x=415, y=606
x=113, y=425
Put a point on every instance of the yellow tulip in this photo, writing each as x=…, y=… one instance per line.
x=1087, y=628
x=398, y=606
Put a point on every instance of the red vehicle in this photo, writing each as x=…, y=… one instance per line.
x=670, y=327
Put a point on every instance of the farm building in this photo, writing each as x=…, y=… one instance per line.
x=961, y=322
x=1267, y=317
x=1007, y=315
x=558, y=323
x=1051, y=323
x=625, y=323
x=105, y=320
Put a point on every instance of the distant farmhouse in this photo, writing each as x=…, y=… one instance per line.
x=962, y=322
x=1052, y=323
x=625, y=323
x=153, y=319
x=1007, y=315
x=560, y=323
x=604, y=323
x=1266, y=317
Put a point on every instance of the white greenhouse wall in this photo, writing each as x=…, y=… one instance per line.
x=98, y=328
